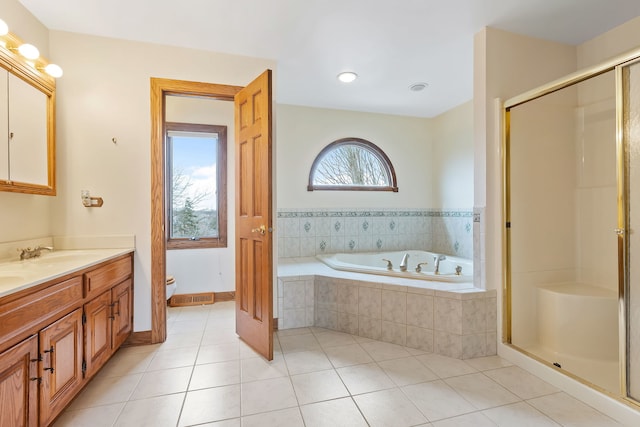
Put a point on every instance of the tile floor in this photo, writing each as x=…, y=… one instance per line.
x=204, y=375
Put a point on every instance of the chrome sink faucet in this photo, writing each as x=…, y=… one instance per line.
x=437, y=260
x=27, y=253
x=404, y=262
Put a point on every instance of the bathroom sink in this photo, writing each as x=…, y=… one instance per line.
x=64, y=257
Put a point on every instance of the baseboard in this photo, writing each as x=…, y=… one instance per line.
x=184, y=300
x=225, y=296
x=275, y=323
x=138, y=338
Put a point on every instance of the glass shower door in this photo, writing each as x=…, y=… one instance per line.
x=631, y=138
x=562, y=212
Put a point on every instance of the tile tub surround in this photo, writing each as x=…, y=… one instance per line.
x=303, y=233
x=454, y=320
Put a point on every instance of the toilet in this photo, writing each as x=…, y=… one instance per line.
x=171, y=286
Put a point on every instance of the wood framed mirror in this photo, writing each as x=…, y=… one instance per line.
x=27, y=127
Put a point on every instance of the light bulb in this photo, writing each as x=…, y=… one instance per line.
x=53, y=70
x=29, y=51
x=347, y=76
x=4, y=28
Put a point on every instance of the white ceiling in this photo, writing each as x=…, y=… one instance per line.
x=391, y=44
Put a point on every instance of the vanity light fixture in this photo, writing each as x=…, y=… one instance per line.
x=29, y=51
x=347, y=76
x=53, y=70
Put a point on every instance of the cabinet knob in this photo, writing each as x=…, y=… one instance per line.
x=49, y=369
x=50, y=350
x=39, y=379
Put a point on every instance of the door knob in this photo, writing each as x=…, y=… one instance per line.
x=262, y=230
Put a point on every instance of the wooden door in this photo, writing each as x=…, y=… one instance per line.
x=97, y=332
x=254, y=271
x=19, y=384
x=122, y=319
x=61, y=367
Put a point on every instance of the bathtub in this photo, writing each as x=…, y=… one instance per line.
x=373, y=263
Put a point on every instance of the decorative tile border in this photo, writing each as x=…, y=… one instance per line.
x=307, y=232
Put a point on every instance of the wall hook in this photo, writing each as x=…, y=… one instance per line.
x=114, y=140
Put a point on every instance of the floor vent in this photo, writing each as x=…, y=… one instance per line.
x=191, y=299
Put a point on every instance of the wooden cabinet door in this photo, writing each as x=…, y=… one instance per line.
x=19, y=384
x=97, y=332
x=122, y=310
x=61, y=367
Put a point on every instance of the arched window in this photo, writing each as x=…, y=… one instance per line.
x=352, y=164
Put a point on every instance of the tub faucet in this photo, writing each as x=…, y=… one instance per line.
x=27, y=253
x=404, y=262
x=389, y=264
x=419, y=266
x=436, y=260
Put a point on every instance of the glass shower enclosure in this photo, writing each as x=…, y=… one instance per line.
x=571, y=157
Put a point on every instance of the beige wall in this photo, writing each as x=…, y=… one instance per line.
x=24, y=216
x=304, y=131
x=452, y=164
x=104, y=94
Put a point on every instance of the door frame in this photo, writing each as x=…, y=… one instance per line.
x=160, y=88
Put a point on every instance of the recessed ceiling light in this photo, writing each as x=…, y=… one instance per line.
x=347, y=76
x=417, y=87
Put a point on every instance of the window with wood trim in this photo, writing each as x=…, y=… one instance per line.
x=352, y=164
x=196, y=185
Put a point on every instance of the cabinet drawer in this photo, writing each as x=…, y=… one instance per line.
x=100, y=279
x=22, y=315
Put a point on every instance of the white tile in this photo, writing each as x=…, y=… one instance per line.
x=181, y=340
x=292, y=343
x=407, y=371
x=157, y=383
x=215, y=375
x=126, y=363
x=235, y=422
x=285, y=417
x=99, y=416
x=475, y=419
x=389, y=408
x=444, y=366
x=333, y=413
x=489, y=362
x=219, y=336
x=107, y=390
x=307, y=361
x=267, y=395
x=211, y=404
x=482, y=392
x=384, y=351
x=218, y=353
x=318, y=386
x=520, y=414
x=347, y=355
x=166, y=359
x=436, y=400
x=570, y=412
x=520, y=382
x=257, y=368
x=334, y=339
x=365, y=378
x=157, y=411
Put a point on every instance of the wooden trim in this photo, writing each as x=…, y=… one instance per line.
x=160, y=88
x=275, y=323
x=225, y=296
x=138, y=338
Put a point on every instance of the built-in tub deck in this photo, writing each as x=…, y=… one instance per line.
x=452, y=319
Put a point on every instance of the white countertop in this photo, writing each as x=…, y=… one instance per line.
x=19, y=275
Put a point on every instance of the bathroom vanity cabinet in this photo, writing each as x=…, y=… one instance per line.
x=55, y=336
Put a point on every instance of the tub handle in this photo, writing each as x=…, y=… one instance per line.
x=419, y=266
x=389, y=264
x=458, y=270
